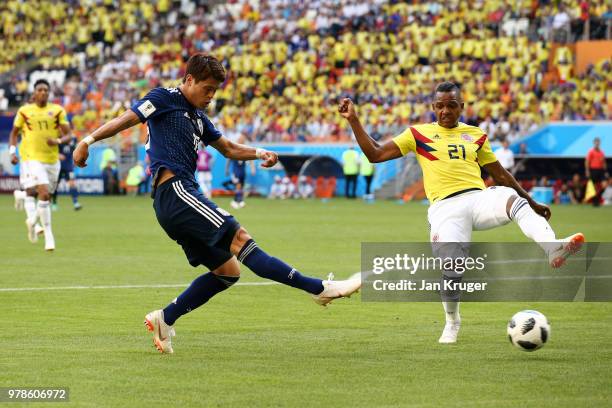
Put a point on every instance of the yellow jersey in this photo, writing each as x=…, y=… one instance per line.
x=37, y=125
x=450, y=158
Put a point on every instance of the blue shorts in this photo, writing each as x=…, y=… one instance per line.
x=238, y=178
x=203, y=230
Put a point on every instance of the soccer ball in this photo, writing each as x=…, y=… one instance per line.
x=528, y=330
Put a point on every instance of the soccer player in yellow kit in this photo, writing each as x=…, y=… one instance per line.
x=450, y=154
x=43, y=126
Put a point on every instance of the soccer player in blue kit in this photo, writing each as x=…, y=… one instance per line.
x=67, y=173
x=209, y=235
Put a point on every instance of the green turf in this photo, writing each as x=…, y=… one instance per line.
x=271, y=345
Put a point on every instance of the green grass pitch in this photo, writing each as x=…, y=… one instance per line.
x=271, y=345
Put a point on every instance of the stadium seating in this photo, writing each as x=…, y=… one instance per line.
x=289, y=63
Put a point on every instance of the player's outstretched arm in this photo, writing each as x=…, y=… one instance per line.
x=503, y=178
x=237, y=151
x=109, y=129
x=374, y=151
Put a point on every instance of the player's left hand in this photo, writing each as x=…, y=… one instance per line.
x=53, y=142
x=541, y=209
x=269, y=158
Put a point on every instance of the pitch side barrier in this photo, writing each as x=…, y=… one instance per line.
x=483, y=272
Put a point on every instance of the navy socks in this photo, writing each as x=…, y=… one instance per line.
x=199, y=292
x=273, y=268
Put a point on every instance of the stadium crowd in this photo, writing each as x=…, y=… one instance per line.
x=289, y=62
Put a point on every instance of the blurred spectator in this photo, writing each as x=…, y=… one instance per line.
x=523, y=148
x=305, y=188
x=596, y=169
x=577, y=186
x=4, y=103
x=135, y=179
x=366, y=169
x=350, y=167
x=277, y=189
x=108, y=166
x=288, y=187
x=607, y=193
x=505, y=156
x=564, y=195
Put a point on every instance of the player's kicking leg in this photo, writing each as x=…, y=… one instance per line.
x=323, y=292
x=537, y=228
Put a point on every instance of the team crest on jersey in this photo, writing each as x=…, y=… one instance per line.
x=466, y=137
x=437, y=137
x=50, y=113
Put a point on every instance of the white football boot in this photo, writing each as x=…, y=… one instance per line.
x=162, y=333
x=32, y=233
x=569, y=246
x=450, y=332
x=49, y=241
x=337, y=289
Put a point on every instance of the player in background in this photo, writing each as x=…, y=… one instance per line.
x=237, y=171
x=209, y=235
x=204, y=167
x=450, y=154
x=43, y=126
x=596, y=170
x=67, y=173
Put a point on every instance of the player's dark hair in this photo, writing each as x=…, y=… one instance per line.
x=42, y=81
x=448, y=86
x=202, y=66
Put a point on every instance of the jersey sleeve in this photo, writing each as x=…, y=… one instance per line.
x=19, y=119
x=211, y=133
x=484, y=153
x=153, y=104
x=405, y=141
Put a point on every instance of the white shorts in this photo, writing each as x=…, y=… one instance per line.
x=453, y=219
x=33, y=173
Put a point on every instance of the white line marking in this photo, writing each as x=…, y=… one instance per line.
x=174, y=285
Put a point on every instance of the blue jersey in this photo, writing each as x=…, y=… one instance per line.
x=238, y=168
x=66, y=149
x=175, y=130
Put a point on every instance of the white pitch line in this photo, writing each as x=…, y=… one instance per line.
x=175, y=285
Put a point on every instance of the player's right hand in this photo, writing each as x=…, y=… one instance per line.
x=80, y=155
x=347, y=109
x=14, y=159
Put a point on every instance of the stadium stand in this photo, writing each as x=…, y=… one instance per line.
x=289, y=62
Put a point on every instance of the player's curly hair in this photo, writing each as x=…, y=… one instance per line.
x=203, y=66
